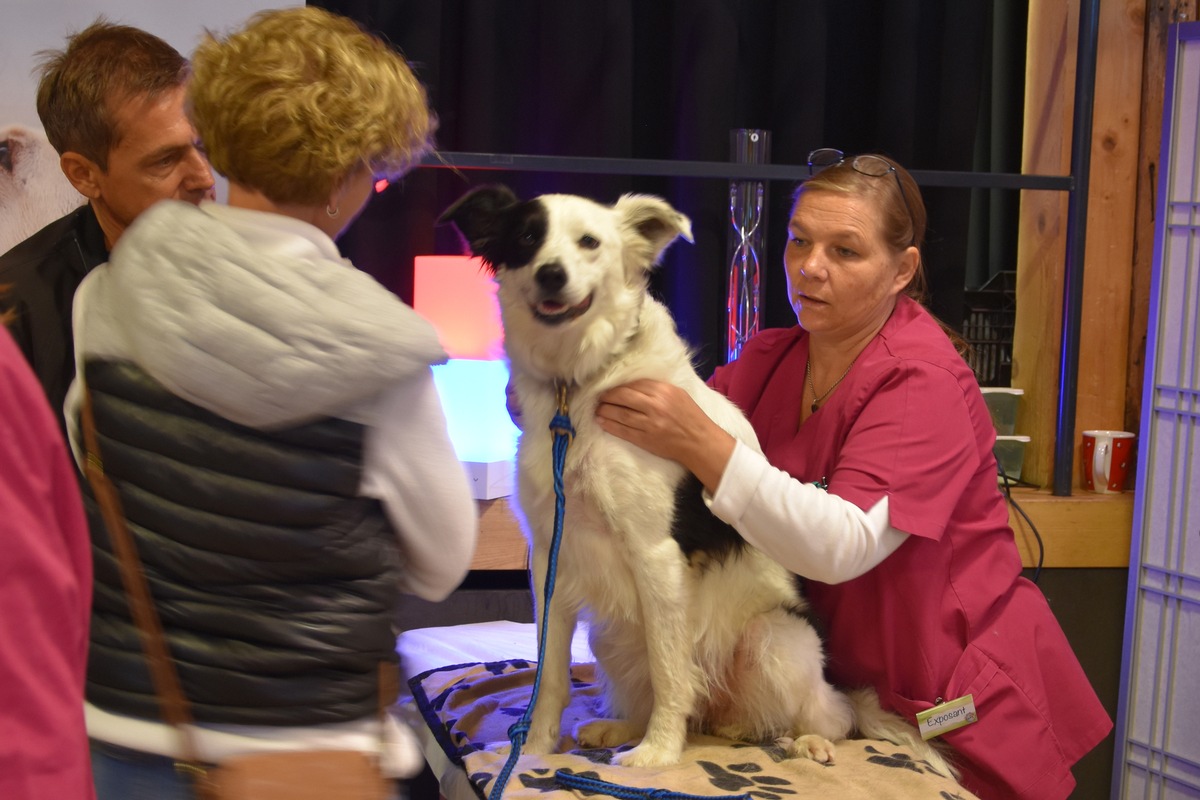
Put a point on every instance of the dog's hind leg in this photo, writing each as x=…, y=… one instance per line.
x=555, y=688
x=776, y=690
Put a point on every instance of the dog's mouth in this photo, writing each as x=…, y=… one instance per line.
x=554, y=313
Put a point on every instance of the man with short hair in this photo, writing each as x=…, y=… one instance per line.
x=111, y=104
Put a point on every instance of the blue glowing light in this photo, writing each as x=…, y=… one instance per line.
x=472, y=394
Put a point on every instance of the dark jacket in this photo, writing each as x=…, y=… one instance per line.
x=43, y=273
x=275, y=582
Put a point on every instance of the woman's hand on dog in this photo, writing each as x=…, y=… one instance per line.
x=513, y=404
x=664, y=420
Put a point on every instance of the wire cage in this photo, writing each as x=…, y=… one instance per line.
x=988, y=320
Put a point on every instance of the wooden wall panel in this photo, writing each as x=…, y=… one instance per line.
x=1108, y=252
x=1159, y=16
x=1108, y=257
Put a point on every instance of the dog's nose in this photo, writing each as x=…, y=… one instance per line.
x=551, y=277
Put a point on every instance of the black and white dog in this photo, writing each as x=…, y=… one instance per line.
x=692, y=628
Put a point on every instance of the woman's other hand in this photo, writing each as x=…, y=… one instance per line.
x=513, y=404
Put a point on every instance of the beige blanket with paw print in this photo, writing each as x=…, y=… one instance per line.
x=470, y=707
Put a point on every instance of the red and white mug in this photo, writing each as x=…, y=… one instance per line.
x=1107, y=458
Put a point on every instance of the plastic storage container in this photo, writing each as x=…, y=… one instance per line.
x=1002, y=403
x=1010, y=455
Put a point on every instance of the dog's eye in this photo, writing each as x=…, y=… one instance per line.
x=589, y=242
x=525, y=238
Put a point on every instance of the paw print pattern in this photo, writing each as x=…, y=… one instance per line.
x=504, y=667
x=481, y=778
x=740, y=778
x=773, y=751
x=596, y=755
x=898, y=761
x=541, y=779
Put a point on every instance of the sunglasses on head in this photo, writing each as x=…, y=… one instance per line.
x=871, y=166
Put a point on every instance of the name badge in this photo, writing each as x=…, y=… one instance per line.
x=949, y=716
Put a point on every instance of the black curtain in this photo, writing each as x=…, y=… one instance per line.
x=670, y=79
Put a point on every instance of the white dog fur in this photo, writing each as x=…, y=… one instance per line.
x=33, y=190
x=700, y=632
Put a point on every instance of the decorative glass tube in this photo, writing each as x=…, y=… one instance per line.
x=747, y=212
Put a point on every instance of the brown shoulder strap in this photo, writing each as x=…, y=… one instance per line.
x=172, y=703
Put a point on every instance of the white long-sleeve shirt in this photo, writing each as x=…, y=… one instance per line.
x=808, y=530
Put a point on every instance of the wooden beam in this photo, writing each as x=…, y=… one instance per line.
x=1108, y=257
x=1108, y=252
x=1159, y=16
x=1041, y=235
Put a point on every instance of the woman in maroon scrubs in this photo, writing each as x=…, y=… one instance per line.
x=877, y=484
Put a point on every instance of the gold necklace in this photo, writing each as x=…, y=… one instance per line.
x=808, y=377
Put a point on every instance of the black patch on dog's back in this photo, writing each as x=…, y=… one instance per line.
x=804, y=611
x=699, y=531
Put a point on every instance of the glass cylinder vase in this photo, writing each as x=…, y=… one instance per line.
x=747, y=213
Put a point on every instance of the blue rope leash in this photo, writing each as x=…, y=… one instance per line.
x=564, y=432
x=590, y=785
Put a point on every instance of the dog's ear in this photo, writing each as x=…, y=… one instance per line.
x=654, y=220
x=477, y=216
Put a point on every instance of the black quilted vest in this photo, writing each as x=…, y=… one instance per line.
x=275, y=582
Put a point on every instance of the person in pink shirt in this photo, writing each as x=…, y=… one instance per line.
x=45, y=596
x=877, y=484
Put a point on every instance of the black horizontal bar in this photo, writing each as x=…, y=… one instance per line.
x=723, y=169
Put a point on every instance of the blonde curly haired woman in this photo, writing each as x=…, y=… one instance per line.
x=269, y=415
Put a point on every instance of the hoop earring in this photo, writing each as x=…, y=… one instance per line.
x=332, y=212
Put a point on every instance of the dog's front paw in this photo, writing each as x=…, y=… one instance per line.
x=648, y=755
x=811, y=746
x=541, y=739
x=541, y=745
x=607, y=733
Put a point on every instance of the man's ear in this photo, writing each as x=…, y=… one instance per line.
x=83, y=173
